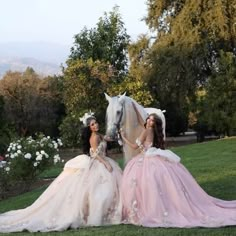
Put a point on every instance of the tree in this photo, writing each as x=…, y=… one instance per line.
x=198, y=29
x=189, y=38
x=97, y=64
x=20, y=98
x=84, y=86
x=31, y=105
x=5, y=131
x=107, y=42
x=134, y=83
x=221, y=95
x=50, y=102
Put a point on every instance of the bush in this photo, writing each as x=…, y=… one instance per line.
x=3, y=178
x=27, y=157
x=70, y=130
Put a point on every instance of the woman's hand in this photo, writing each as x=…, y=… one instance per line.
x=108, y=138
x=108, y=166
x=122, y=133
x=126, y=140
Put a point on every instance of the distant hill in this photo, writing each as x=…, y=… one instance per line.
x=42, y=51
x=45, y=58
x=20, y=64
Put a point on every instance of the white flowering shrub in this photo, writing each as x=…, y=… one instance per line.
x=27, y=157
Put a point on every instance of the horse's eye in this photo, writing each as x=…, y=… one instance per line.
x=118, y=112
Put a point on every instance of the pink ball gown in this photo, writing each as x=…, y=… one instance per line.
x=84, y=194
x=158, y=191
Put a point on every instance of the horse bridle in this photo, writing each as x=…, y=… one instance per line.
x=120, y=118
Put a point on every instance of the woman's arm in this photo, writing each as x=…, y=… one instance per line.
x=107, y=138
x=133, y=145
x=105, y=163
x=94, y=144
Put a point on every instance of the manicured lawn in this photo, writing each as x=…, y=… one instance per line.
x=213, y=164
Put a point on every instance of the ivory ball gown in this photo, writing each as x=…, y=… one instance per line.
x=84, y=194
x=158, y=191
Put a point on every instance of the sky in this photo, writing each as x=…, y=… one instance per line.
x=57, y=21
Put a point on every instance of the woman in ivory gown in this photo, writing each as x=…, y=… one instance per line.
x=86, y=193
x=158, y=191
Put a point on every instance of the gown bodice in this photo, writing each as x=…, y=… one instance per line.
x=101, y=150
x=143, y=146
x=149, y=151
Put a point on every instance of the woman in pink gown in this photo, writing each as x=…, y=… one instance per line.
x=86, y=193
x=158, y=191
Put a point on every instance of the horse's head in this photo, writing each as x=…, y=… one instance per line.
x=124, y=112
x=114, y=114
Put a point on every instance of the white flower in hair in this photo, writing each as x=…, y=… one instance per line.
x=85, y=117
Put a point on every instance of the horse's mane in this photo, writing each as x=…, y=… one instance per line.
x=131, y=125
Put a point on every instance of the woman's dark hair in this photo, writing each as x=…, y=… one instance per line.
x=85, y=136
x=158, y=139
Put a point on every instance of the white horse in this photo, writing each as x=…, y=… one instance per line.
x=122, y=113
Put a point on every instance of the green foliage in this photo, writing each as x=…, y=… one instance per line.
x=27, y=158
x=135, y=83
x=215, y=106
x=221, y=95
x=3, y=136
x=176, y=119
x=201, y=112
x=84, y=85
x=4, y=180
x=190, y=36
x=170, y=83
x=32, y=104
x=135, y=88
x=196, y=30
x=70, y=130
x=193, y=21
x=106, y=42
x=6, y=132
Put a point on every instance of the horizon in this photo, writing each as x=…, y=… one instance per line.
x=44, y=30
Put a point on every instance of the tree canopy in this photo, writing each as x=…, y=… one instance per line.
x=107, y=42
x=185, y=52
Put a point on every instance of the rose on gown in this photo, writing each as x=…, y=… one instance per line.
x=158, y=191
x=84, y=194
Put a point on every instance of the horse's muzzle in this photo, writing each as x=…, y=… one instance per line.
x=112, y=132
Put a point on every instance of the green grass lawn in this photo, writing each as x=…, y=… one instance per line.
x=213, y=164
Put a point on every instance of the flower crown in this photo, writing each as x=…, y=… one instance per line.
x=85, y=117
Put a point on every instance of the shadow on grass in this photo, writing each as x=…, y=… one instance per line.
x=222, y=187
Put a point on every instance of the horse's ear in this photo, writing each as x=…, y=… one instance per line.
x=108, y=98
x=121, y=98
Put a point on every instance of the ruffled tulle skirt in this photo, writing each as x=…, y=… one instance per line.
x=84, y=194
x=158, y=191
